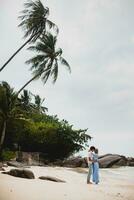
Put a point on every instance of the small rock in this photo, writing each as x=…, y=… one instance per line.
x=50, y=178
x=15, y=164
x=5, y=165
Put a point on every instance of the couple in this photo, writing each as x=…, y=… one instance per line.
x=92, y=160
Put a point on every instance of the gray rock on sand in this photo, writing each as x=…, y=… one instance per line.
x=22, y=173
x=50, y=178
x=2, y=169
x=75, y=162
x=16, y=164
x=2, y=165
x=5, y=165
x=110, y=160
x=131, y=164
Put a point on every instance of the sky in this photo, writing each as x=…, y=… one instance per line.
x=97, y=38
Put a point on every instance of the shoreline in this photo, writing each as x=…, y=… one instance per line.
x=112, y=185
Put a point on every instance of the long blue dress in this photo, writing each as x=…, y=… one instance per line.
x=95, y=169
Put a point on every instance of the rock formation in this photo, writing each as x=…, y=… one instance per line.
x=22, y=173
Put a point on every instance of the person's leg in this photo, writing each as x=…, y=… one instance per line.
x=93, y=172
x=96, y=173
x=89, y=174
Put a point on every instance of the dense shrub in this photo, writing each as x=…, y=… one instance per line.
x=7, y=155
x=56, y=139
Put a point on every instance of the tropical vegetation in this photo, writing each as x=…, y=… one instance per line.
x=29, y=128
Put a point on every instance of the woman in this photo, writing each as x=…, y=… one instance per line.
x=95, y=165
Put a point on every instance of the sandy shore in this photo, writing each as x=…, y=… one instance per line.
x=115, y=184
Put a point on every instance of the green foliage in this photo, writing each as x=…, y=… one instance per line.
x=7, y=155
x=56, y=139
x=7, y=99
x=30, y=129
x=34, y=19
x=46, y=62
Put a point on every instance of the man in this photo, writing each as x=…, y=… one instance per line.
x=90, y=161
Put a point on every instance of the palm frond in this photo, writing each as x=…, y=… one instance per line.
x=49, y=41
x=36, y=60
x=45, y=75
x=33, y=19
x=54, y=71
x=64, y=62
x=52, y=25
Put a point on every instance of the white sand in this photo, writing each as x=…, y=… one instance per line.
x=114, y=184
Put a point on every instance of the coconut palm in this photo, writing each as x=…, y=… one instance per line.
x=38, y=104
x=7, y=107
x=34, y=22
x=25, y=100
x=46, y=63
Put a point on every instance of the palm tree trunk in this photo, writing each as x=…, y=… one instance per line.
x=17, y=52
x=28, y=83
x=3, y=134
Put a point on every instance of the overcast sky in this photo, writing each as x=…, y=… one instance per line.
x=97, y=37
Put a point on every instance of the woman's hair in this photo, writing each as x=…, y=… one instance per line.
x=96, y=151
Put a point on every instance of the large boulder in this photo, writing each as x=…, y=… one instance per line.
x=75, y=162
x=121, y=162
x=29, y=158
x=131, y=164
x=110, y=160
x=22, y=173
x=50, y=178
x=130, y=161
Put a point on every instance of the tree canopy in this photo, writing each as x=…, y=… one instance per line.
x=35, y=131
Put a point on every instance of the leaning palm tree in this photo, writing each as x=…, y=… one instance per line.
x=46, y=63
x=34, y=22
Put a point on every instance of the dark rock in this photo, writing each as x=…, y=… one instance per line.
x=16, y=164
x=84, y=164
x=50, y=178
x=2, y=169
x=109, y=160
x=131, y=164
x=130, y=159
x=30, y=158
x=5, y=165
x=121, y=162
x=2, y=165
x=22, y=173
x=75, y=162
x=58, y=163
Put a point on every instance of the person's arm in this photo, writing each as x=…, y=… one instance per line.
x=89, y=160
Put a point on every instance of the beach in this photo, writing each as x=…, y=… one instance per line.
x=115, y=184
